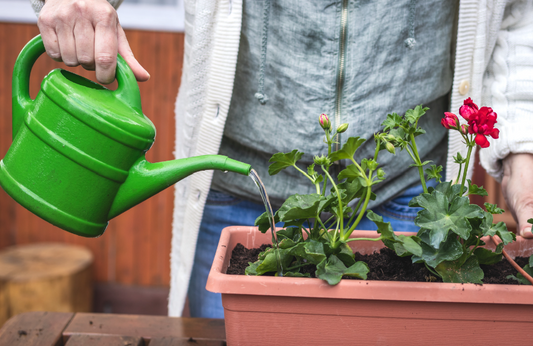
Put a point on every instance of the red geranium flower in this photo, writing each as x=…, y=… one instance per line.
x=482, y=124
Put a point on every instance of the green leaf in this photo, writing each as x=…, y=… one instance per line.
x=333, y=269
x=300, y=207
x=292, y=233
x=500, y=229
x=281, y=161
x=439, y=216
x=520, y=278
x=450, y=250
x=473, y=189
x=317, y=178
x=370, y=164
x=348, y=149
x=349, y=173
x=263, y=223
x=450, y=190
x=434, y=172
x=460, y=271
x=407, y=244
x=485, y=256
x=267, y=262
x=528, y=268
x=346, y=255
x=352, y=190
x=252, y=268
x=286, y=243
x=401, y=244
x=393, y=120
x=493, y=209
x=357, y=270
x=312, y=251
x=413, y=115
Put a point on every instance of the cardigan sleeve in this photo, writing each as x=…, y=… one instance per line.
x=508, y=84
x=37, y=5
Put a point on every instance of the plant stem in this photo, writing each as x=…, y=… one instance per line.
x=360, y=216
x=356, y=209
x=432, y=271
x=459, y=173
x=419, y=163
x=325, y=228
x=301, y=171
x=341, y=214
x=470, y=147
x=369, y=239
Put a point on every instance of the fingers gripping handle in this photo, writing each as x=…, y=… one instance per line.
x=128, y=89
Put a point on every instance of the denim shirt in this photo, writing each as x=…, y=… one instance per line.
x=396, y=55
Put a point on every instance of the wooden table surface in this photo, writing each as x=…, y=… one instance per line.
x=84, y=329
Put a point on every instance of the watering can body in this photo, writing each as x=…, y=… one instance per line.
x=77, y=157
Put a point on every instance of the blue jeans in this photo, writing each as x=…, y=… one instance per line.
x=222, y=210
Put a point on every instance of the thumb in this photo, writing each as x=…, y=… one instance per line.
x=124, y=49
x=524, y=228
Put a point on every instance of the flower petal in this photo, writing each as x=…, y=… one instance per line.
x=482, y=141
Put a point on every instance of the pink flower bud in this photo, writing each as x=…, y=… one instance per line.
x=450, y=121
x=324, y=121
x=464, y=129
x=468, y=109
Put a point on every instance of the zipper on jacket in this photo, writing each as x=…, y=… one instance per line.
x=341, y=66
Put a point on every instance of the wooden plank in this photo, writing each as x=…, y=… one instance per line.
x=35, y=328
x=104, y=340
x=147, y=327
x=170, y=341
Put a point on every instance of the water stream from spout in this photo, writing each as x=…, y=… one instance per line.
x=270, y=213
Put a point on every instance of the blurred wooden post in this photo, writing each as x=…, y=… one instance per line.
x=45, y=277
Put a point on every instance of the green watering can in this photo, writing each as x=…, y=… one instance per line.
x=78, y=153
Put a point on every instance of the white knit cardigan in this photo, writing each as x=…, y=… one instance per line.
x=493, y=66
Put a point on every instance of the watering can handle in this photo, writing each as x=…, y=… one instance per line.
x=127, y=90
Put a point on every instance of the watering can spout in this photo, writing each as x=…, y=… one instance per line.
x=145, y=179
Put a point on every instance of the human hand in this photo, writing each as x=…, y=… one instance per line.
x=87, y=33
x=517, y=188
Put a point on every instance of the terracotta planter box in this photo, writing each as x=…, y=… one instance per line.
x=302, y=311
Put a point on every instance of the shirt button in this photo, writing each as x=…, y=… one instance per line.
x=464, y=87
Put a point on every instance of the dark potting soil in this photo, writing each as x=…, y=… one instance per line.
x=385, y=265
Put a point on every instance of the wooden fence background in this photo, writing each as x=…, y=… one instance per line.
x=136, y=246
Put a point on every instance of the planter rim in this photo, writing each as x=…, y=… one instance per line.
x=220, y=282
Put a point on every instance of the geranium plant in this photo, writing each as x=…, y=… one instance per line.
x=449, y=241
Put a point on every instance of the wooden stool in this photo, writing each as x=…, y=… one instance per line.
x=45, y=277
